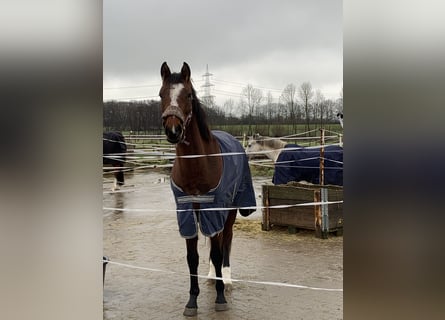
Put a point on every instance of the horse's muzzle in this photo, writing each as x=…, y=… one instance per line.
x=173, y=129
x=174, y=135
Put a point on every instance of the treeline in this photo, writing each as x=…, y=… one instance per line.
x=144, y=117
x=136, y=116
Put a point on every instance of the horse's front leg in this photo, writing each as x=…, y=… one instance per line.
x=217, y=257
x=191, y=308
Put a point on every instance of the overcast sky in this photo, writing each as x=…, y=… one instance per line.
x=268, y=44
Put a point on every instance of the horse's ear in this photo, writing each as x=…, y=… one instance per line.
x=185, y=72
x=165, y=71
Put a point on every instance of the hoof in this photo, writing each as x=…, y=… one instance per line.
x=221, y=307
x=190, y=312
x=228, y=287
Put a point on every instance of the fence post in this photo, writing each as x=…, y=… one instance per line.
x=265, y=224
x=321, y=180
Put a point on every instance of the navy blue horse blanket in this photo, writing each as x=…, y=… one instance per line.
x=304, y=164
x=235, y=190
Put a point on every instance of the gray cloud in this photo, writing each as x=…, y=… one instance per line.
x=261, y=42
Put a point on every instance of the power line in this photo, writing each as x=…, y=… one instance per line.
x=207, y=96
x=240, y=84
x=132, y=98
x=140, y=86
x=228, y=93
x=206, y=85
x=129, y=87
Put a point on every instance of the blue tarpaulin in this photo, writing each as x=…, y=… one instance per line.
x=299, y=163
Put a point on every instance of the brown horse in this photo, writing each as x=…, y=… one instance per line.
x=203, y=181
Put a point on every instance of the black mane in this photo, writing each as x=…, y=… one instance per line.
x=201, y=117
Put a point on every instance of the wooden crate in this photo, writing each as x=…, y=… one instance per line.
x=302, y=217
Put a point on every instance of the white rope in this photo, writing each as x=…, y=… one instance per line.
x=171, y=156
x=147, y=155
x=281, y=206
x=120, y=191
x=338, y=134
x=291, y=161
x=117, y=141
x=294, y=138
x=326, y=159
x=298, y=134
x=143, y=167
x=263, y=165
x=174, y=156
x=268, y=283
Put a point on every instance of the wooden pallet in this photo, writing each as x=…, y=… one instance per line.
x=302, y=217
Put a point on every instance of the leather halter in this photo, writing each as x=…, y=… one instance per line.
x=174, y=111
x=177, y=112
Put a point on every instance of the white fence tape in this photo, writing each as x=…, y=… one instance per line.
x=267, y=283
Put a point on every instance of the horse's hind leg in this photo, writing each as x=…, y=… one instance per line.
x=119, y=175
x=226, y=247
x=217, y=258
x=191, y=308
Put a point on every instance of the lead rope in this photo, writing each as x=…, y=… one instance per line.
x=186, y=122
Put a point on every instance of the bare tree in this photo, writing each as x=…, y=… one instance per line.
x=306, y=93
x=269, y=110
x=319, y=107
x=331, y=109
x=340, y=101
x=250, y=99
x=289, y=98
x=228, y=107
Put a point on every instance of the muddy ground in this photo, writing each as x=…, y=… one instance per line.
x=150, y=239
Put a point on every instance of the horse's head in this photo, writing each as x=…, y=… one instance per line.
x=253, y=145
x=177, y=95
x=340, y=118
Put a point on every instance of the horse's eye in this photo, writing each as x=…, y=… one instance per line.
x=189, y=96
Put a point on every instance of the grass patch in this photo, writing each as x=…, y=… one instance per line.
x=260, y=171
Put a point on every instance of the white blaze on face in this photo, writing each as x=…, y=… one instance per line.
x=175, y=90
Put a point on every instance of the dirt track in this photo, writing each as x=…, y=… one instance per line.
x=151, y=240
